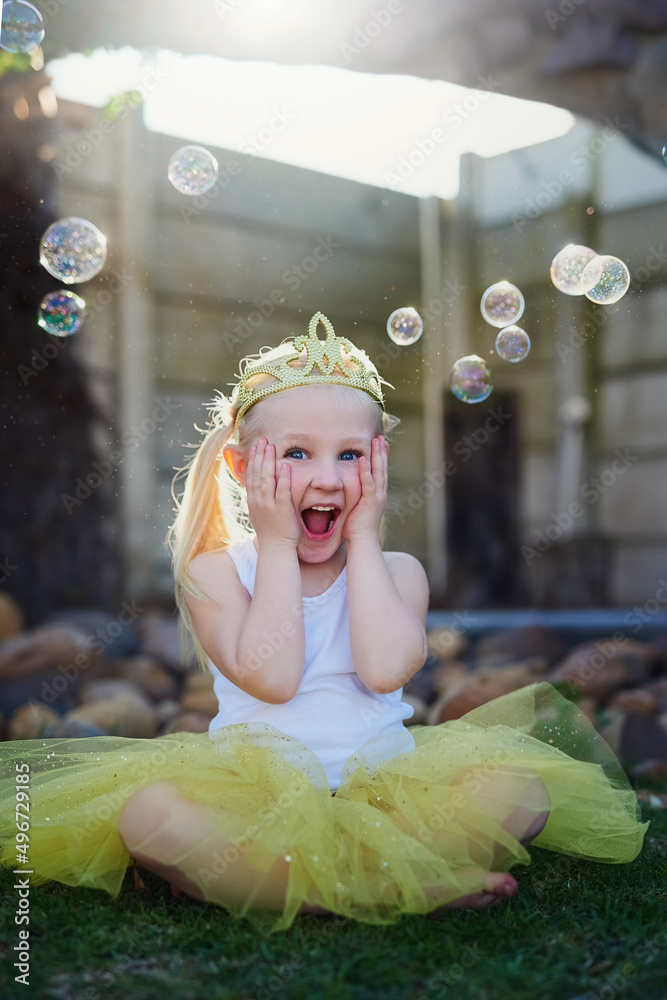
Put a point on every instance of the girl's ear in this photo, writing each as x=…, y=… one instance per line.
x=236, y=462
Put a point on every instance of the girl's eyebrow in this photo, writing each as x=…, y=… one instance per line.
x=306, y=438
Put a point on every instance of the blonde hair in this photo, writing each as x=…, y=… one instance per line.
x=212, y=512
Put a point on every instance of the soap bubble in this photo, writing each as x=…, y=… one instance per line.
x=664, y=152
x=61, y=313
x=568, y=266
x=405, y=326
x=502, y=304
x=471, y=379
x=22, y=27
x=193, y=170
x=613, y=280
x=513, y=344
x=73, y=250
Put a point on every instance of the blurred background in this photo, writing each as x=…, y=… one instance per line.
x=372, y=156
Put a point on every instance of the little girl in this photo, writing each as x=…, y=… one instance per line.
x=309, y=795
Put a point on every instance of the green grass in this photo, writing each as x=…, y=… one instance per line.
x=577, y=930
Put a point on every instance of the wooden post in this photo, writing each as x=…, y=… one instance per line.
x=136, y=394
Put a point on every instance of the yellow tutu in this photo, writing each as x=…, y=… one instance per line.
x=403, y=834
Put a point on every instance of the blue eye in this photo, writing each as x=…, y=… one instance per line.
x=353, y=452
x=290, y=453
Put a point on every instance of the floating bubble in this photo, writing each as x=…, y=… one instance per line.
x=22, y=27
x=193, y=170
x=568, y=266
x=405, y=326
x=471, y=379
x=502, y=304
x=664, y=152
x=73, y=250
x=513, y=344
x=613, y=280
x=61, y=313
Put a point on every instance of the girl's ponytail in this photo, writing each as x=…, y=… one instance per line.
x=210, y=515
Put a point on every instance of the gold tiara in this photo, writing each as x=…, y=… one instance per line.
x=333, y=361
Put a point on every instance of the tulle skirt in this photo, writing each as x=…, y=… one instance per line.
x=404, y=833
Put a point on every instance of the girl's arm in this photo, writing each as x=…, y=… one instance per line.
x=257, y=644
x=387, y=605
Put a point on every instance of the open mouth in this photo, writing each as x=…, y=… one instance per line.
x=319, y=522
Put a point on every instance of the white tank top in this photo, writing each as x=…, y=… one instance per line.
x=333, y=713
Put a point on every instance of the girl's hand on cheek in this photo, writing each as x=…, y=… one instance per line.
x=270, y=506
x=365, y=517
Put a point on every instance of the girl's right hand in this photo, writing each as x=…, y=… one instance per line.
x=270, y=506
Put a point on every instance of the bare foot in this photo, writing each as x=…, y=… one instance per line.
x=497, y=886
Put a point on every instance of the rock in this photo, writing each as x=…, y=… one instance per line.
x=106, y=689
x=148, y=675
x=47, y=646
x=482, y=686
x=601, y=668
x=635, y=700
x=200, y=680
x=658, y=689
x=187, y=722
x=419, y=705
x=446, y=643
x=654, y=771
x=11, y=617
x=512, y=645
x=160, y=638
x=642, y=739
x=112, y=637
x=200, y=702
x=165, y=711
x=449, y=677
x=29, y=721
x=71, y=729
x=125, y=714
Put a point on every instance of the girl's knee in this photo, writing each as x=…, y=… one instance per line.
x=146, y=811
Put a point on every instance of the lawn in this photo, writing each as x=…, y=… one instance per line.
x=577, y=930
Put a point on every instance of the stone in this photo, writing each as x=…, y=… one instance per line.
x=148, y=675
x=105, y=689
x=201, y=702
x=654, y=771
x=510, y=646
x=446, y=643
x=165, y=711
x=635, y=700
x=200, y=680
x=116, y=636
x=45, y=647
x=482, y=686
x=187, y=722
x=160, y=638
x=419, y=705
x=599, y=669
x=29, y=721
x=125, y=714
x=11, y=617
x=72, y=729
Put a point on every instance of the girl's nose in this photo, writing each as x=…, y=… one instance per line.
x=326, y=476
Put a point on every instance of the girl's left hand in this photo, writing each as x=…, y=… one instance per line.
x=365, y=517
